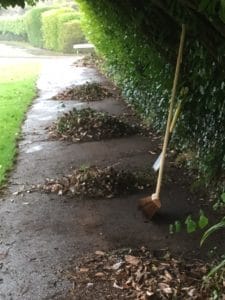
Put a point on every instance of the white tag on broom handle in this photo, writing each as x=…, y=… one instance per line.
x=157, y=163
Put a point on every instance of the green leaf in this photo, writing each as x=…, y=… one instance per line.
x=204, y=5
x=191, y=225
x=177, y=225
x=203, y=220
x=222, y=10
x=212, y=229
x=223, y=197
x=208, y=6
x=187, y=219
x=216, y=268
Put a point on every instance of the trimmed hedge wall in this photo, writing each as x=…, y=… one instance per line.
x=57, y=35
x=34, y=26
x=50, y=28
x=45, y=27
x=13, y=28
x=70, y=33
x=139, y=40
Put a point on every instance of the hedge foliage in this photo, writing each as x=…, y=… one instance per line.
x=55, y=34
x=70, y=33
x=45, y=27
x=13, y=28
x=139, y=40
x=50, y=28
x=6, y=3
x=34, y=26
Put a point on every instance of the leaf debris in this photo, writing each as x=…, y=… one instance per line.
x=90, y=91
x=95, y=182
x=88, y=125
x=152, y=277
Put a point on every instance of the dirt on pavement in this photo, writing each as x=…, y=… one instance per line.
x=42, y=235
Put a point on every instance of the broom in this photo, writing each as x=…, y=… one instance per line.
x=150, y=205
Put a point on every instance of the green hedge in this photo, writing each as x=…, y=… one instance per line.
x=56, y=34
x=13, y=28
x=139, y=40
x=49, y=28
x=46, y=27
x=69, y=34
x=34, y=25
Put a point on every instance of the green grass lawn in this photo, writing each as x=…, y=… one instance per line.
x=17, y=90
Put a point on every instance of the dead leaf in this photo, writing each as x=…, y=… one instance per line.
x=133, y=260
x=168, y=275
x=149, y=294
x=115, y=285
x=165, y=288
x=83, y=270
x=116, y=266
x=99, y=274
x=100, y=253
x=90, y=284
x=191, y=292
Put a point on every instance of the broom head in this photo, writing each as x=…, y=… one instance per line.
x=150, y=205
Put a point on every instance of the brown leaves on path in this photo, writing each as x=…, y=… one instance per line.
x=139, y=274
x=95, y=182
x=90, y=125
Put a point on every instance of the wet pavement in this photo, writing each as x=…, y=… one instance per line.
x=41, y=234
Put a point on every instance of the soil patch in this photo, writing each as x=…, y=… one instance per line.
x=88, y=92
x=91, y=125
x=94, y=182
x=139, y=274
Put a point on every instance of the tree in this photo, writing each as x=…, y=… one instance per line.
x=5, y=3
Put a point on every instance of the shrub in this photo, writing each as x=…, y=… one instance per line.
x=46, y=27
x=50, y=27
x=70, y=34
x=8, y=36
x=34, y=25
x=13, y=27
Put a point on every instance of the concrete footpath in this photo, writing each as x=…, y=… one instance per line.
x=41, y=234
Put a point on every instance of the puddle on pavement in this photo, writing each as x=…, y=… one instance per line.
x=33, y=149
x=62, y=76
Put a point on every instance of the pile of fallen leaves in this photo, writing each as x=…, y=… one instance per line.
x=94, y=182
x=89, y=60
x=139, y=274
x=88, y=124
x=90, y=91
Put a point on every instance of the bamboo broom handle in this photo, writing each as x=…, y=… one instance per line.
x=175, y=116
x=174, y=89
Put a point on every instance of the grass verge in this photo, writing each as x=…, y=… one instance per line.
x=17, y=90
